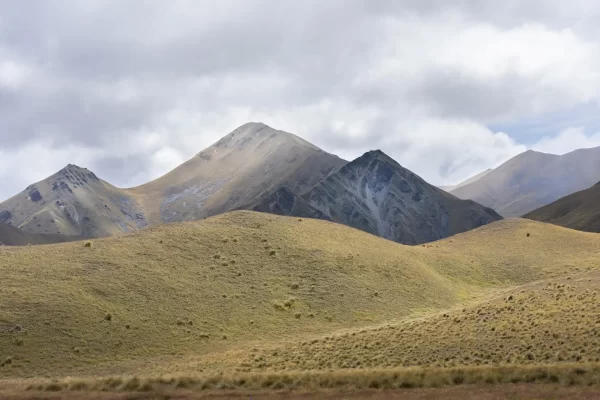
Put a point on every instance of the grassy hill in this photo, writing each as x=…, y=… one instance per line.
x=549, y=322
x=200, y=296
x=579, y=211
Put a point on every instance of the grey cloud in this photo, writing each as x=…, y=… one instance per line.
x=270, y=58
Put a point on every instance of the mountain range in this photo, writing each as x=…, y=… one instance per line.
x=254, y=167
x=532, y=180
x=259, y=168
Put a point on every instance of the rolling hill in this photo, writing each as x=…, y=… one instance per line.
x=377, y=195
x=533, y=179
x=546, y=322
x=580, y=210
x=201, y=296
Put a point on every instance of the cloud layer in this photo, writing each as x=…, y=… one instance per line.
x=130, y=89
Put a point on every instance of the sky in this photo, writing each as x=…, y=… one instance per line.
x=130, y=88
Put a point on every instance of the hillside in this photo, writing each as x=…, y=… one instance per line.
x=11, y=236
x=377, y=195
x=198, y=296
x=466, y=182
x=532, y=179
x=550, y=322
x=252, y=160
x=74, y=201
x=579, y=211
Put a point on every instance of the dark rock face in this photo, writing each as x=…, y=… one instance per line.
x=34, y=195
x=377, y=195
x=374, y=193
x=5, y=217
x=61, y=185
x=285, y=202
x=74, y=175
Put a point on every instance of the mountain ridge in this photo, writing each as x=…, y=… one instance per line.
x=253, y=167
x=533, y=179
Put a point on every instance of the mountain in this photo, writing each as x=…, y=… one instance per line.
x=258, y=168
x=377, y=195
x=11, y=236
x=74, y=201
x=466, y=182
x=251, y=161
x=580, y=210
x=533, y=179
x=285, y=202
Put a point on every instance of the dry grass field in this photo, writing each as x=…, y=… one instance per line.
x=255, y=302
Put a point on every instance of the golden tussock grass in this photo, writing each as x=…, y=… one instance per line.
x=233, y=293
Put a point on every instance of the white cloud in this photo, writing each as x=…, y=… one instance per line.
x=13, y=74
x=566, y=141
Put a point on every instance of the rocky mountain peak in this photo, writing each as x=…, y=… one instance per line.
x=374, y=155
x=245, y=135
x=72, y=176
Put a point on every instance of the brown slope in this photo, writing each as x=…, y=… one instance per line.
x=11, y=236
x=252, y=160
x=74, y=201
x=532, y=180
x=580, y=210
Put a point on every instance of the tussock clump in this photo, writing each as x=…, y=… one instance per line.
x=289, y=303
x=352, y=379
x=87, y=244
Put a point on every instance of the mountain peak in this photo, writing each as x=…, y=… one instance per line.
x=75, y=174
x=375, y=155
x=73, y=168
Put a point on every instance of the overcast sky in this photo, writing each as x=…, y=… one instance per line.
x=132, y=88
